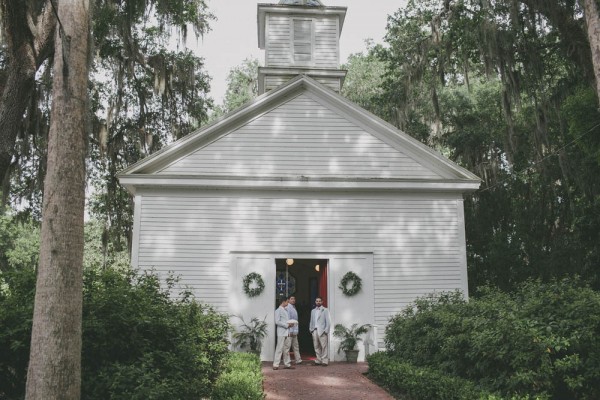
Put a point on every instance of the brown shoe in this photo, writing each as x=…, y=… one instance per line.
x=275, y=368
x=289, y=367
x=324, y=365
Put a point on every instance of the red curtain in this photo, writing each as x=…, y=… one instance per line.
x=323, y=283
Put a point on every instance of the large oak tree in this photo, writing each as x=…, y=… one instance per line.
x=55, y=358
x=146, y=89
x=593, y=32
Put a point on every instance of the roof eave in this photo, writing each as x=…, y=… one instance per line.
x=135, y=183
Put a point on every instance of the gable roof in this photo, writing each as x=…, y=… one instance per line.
x=300, y=137
x=431, y=170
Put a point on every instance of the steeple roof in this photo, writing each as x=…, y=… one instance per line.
x=302, y=2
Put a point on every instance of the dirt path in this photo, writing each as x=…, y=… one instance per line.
x=338, y=381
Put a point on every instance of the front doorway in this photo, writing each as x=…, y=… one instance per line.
x=308, y=284
x=305, y=279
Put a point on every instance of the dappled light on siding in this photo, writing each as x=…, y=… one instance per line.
x=333, y=165
x=300, y=138
x=413, y=240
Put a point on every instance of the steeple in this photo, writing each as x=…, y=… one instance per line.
x=302, y=2
x=300, y=37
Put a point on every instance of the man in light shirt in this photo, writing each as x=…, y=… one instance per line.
x=283, y=335
x=293, y=313
x=319, y=328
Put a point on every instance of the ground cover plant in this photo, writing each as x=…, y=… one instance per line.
x=240, y=379
x=540, y=340
x=404, y=380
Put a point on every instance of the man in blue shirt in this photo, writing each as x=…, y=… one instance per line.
x=291, y=309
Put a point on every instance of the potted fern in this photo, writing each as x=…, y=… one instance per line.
x=251, y=334
x=349, y=339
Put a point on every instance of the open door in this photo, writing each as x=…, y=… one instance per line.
x=323, y=272
x=305, y=279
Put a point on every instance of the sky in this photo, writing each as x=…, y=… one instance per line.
x=233, y=37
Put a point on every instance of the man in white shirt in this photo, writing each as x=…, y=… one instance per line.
x=291, y=309
x=283, y=335
x=319, y=328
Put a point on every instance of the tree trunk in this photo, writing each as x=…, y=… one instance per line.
x=55, y=359
x=593, y=31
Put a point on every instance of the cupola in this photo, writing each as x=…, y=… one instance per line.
x=300, y=37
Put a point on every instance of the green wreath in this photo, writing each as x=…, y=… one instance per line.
x=258, y=280
x=354, y=280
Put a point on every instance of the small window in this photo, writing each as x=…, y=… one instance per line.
x=302, y=40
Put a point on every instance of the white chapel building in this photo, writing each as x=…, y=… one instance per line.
x=300, y=186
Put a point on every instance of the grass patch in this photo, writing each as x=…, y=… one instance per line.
x=241, y=379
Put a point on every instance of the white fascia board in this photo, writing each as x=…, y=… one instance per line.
x=135, y=182
x=295, y=71
x=321, y=72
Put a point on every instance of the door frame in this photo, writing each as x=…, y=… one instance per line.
x=342, y=310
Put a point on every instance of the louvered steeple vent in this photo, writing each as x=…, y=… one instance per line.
x=300, y=37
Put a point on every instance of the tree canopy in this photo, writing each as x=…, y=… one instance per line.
x=242, y=86
x=506, y=88
x=145, y=89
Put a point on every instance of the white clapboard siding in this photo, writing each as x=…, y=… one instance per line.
x=273, y=81
x=279, y=42
x=326, y=42
x=415, y=239
x=300, y=138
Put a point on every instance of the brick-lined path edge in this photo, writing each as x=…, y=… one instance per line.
x=339, y=380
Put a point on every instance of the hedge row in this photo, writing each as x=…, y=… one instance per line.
x=409, y=382
x=540, y=341
x=241, y=379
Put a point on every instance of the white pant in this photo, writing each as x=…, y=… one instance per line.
x=283, y=347
x=321, y=344
x=295, y=347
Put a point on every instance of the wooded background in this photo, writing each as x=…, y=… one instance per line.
x=506, y=88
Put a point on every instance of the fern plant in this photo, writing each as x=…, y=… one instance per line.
x=349, y=336
x=251, y=334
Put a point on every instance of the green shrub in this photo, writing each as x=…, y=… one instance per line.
x=241, y=379
x=19, y=243
x=138, y=342
x=17, y=291
x=420, y=383
x=539, y=341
